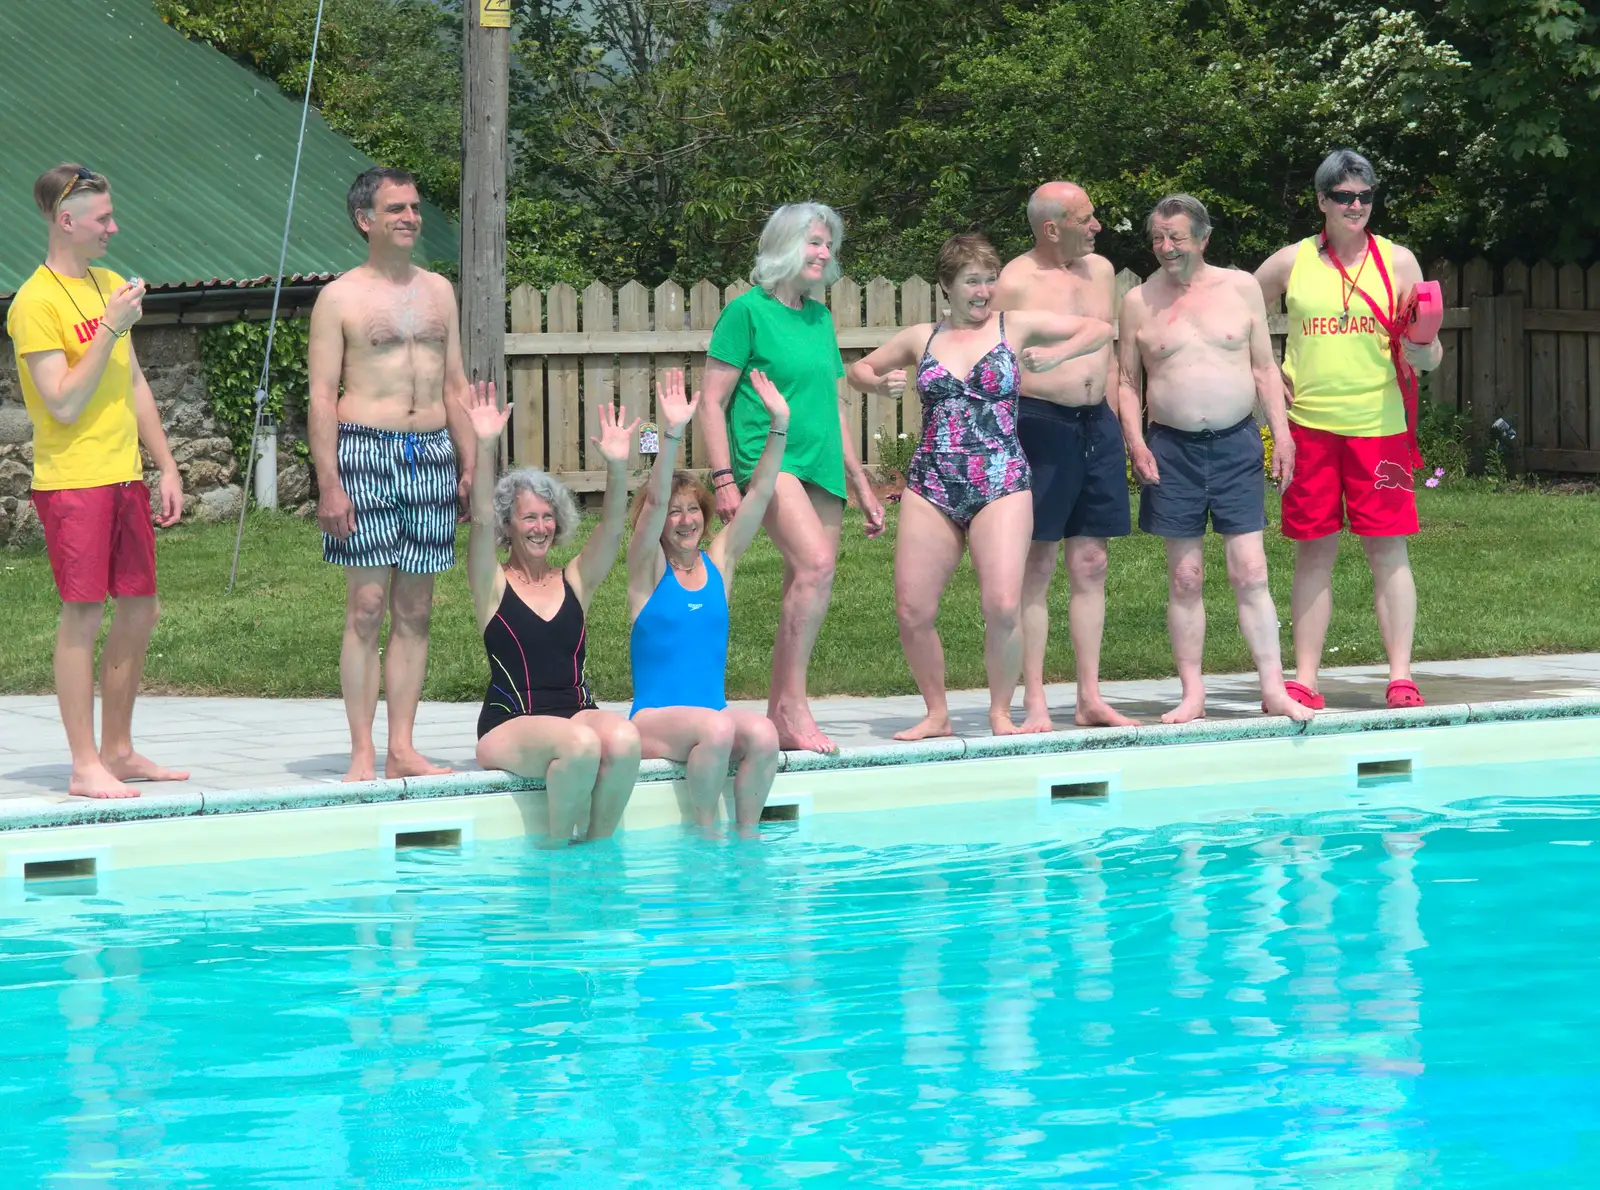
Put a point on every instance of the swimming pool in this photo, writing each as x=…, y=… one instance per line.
x=1395, y=993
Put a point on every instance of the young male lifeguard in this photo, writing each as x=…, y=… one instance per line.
x=390, y=481
x=91, y=408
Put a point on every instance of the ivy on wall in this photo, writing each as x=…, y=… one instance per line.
x=231, y=356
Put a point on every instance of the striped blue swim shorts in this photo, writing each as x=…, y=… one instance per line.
x=403, y=487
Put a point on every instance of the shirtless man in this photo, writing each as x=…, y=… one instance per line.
x=1068, y=426
x=390, y=481
x=1194, y=339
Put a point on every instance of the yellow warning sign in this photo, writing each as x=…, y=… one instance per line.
x=494, y=14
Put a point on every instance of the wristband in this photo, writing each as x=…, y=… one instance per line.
x=115, y=333
x=673, y=437
x=730, y=484
x=779, y=433
x=720, y=472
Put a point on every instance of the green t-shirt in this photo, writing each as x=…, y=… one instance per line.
x=799, y=352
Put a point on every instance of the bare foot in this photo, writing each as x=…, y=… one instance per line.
x=134, y=767
x=1279, y=703
x=1189, y=708
x=798, y=732
x=929, y=728
x=1000, y=723
x=1037, y=719
x=97, y=781
x=362, y=768
x=1100, y=714
x=410, y=764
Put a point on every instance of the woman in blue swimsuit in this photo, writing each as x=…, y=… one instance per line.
x=678, y=591
x=967, y=486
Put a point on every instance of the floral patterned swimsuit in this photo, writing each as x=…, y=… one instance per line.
x=969, y=455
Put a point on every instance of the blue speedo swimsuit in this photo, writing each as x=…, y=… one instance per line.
x=679, y=646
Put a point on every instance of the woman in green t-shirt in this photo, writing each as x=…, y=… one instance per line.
x=782, y=328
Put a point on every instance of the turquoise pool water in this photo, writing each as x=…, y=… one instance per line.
x=1375, y=997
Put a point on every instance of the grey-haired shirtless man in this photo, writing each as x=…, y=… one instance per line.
x=393, y=454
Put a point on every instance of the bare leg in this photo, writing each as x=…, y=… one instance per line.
x=619, y=770
x=562, y=751
x=1186, y=623
x=121, y=667
x=701, y=740
x=755, y=750
x=1258, y=620
x=999, y=541
x=1394, y=596
x=1086, y=618
x=1311, y=604
x=803, y=523
x=1039, y=570
x=366, y=601
x=74, y=666
x=405, y=664
x=927, y=551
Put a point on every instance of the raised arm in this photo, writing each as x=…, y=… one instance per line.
x=324, y=364
x=645, y=559
x=1129, y=381
x=715, y=388
x=728, y=546
x=1268, y=381
x=1050, y=340
x=455, y=399
x=589, y=569
x=66, y=392
x=487, y=581
x=884, y=371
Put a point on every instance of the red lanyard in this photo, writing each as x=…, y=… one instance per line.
x=1384, y=320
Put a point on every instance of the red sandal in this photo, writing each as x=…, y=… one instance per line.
x=1302, y=694
x=1403, y=692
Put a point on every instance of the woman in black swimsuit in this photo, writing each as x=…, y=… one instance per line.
x=539, y=718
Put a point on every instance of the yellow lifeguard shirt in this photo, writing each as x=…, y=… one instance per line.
x=1343, y=374
x=56, y=313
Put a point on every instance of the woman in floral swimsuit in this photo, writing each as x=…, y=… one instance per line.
x=967, y=486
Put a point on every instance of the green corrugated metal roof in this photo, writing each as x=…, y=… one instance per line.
x=198, y=148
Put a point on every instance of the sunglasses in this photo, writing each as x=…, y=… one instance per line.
x=83, y=175
x=1346, y=198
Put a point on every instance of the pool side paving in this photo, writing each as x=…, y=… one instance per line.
x=253, y=754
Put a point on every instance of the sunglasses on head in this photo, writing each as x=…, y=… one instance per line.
x=84, y=174
x=1347, y=198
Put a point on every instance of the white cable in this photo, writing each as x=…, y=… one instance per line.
x=277, y=292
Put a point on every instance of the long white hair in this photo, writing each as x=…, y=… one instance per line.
x=781, y=252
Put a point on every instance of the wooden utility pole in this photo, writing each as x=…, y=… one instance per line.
x=486, y=41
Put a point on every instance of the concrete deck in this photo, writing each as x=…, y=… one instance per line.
x=238, y=743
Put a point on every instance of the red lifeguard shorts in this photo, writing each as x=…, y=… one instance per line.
x=1367, y=481
x=101, y=541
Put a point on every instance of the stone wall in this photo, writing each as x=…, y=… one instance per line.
x=170, y=358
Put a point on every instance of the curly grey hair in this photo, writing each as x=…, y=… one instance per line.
x=1341, y=164
x=536, y=483
x=781, y=252
x=1182, y=204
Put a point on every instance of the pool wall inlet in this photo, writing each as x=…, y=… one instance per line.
x=1126, y=776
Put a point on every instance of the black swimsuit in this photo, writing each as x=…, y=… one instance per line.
x=536, y=666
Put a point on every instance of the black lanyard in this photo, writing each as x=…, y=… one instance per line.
x=74, y=300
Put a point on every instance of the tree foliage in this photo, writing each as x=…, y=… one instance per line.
x=652, y=137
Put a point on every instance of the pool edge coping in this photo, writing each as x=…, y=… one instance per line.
x=188, y=804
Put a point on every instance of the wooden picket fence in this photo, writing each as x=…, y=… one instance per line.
x=1528, y=351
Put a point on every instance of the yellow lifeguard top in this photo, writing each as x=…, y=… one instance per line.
x=1338, y=353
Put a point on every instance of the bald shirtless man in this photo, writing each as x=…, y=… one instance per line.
x=1068, y=426
x=1194, y=345
x=390, y=481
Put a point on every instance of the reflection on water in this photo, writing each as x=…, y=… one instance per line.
x=1265, y=1005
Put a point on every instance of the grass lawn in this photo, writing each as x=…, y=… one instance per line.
x=1498, y=572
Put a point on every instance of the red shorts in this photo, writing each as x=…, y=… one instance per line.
x=1367, y=480
x=102, y=541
